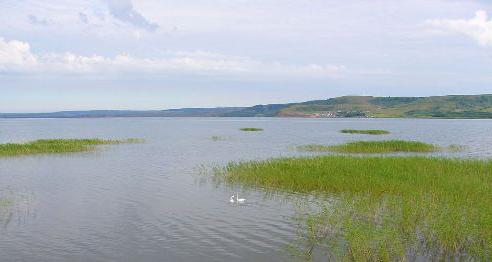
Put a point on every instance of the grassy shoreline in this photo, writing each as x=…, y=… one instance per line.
x=365, y=131
x=56, y=146
x=368, y=147
x=385, y=206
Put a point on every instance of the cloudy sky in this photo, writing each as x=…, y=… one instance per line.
x=155, y=54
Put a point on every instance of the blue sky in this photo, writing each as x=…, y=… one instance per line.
x=150, y=54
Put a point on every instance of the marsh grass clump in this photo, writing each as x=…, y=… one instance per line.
x=129, y=141
x=366, y=132
x=388, y=146
x=217, y=138
x=385, y=208
x=6, y=202
x=251, y=129
x=53, y=146
x=314, y=148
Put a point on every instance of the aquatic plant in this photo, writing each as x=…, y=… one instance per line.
x=385, y=208
x=217, y=138
x=44, y=146
x=388, y=146
x=251, y=129
x=5, y=202
x=366, y=132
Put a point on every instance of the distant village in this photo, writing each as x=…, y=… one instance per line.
x=338, y=114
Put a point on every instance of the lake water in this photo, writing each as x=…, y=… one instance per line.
x=146, y=202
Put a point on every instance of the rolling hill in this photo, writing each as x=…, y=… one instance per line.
x=452, y=106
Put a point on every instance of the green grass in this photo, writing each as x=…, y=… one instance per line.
x=6, y=202
x=366, y=132
x=388, y=146
x=383, y=207
x=217, y=138
x=53, y=146
x=251, y=129
x=474, y=106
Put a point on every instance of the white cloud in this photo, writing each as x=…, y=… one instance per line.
x=16, y=57
x=478, y=27
x=124, y=11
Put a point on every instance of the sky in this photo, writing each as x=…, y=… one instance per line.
x=157, y=54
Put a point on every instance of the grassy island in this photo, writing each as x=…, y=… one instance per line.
x=385, y=208
x=365, y=132
x=251, y=129
x=53, y=146
x=388, y=146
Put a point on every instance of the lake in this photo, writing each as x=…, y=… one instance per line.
x=150, y=202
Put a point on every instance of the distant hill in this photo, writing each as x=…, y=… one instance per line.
x=183, y=112
x=453, y=106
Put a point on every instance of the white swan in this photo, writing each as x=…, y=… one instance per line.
x=237, y=200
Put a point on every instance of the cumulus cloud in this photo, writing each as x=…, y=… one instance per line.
x=124, y=11
x=479, y=27
x=16, y=57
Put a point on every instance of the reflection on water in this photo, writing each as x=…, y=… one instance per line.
x=335, y=229
x=143, y=202
x=16, y=207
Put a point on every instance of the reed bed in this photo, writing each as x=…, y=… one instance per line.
x=365, y=131
x=385, y=208
x=368, y=147
x=251, y=129
x=54, y=146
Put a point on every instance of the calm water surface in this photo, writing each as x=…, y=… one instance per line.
x=145, y=202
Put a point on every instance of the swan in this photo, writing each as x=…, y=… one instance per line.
x=237, y=200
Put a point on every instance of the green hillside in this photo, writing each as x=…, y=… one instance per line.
x=454, y=106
